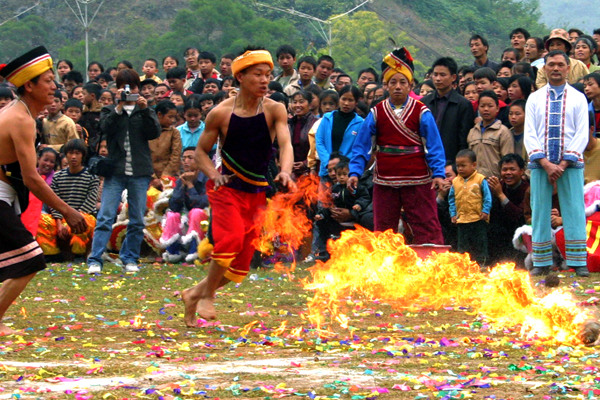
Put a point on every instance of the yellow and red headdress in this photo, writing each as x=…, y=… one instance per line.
x=398, y=61
x=28, y=66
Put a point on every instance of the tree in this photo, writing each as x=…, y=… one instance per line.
x=223, y=26
x=361, y=40
x=21, y=35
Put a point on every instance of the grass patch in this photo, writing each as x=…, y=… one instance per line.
x=83, y=335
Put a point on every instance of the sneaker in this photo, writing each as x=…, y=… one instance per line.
x=131, y=268
x=583, y=272
x=94, y=269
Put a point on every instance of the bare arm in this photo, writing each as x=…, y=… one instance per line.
x=286, y=151
x=23, y=136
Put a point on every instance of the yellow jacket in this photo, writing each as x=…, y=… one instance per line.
x=469, y=197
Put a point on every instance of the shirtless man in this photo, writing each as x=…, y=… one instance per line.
x=246, y=126
x=20, y=255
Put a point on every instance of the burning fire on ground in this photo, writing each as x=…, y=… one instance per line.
x=378, y=265
x=287, y=221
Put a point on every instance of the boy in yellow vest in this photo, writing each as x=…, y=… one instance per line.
x=470, y=203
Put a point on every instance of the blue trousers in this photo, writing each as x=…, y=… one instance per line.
x=137, y=187
x=572, y=209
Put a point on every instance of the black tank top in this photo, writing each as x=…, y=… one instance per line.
x=246, y=153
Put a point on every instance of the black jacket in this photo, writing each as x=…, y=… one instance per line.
x=142, y=126
x=456, y=123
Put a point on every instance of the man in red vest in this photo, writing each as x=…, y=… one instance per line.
x=409, y=155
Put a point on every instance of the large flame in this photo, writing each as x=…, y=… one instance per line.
x=287, y=222
x=378, y=265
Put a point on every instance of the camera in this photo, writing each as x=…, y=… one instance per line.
x=126, y=95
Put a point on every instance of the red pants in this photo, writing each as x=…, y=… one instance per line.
x=420, y=211
x=233, y=230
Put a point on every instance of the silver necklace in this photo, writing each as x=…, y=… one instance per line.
x=27, y=108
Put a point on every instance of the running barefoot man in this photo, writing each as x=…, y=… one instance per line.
x=245, y=126
x=20, y=255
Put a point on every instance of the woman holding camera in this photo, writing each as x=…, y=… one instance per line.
x=127, y=126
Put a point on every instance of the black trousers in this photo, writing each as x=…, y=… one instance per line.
x=472, y=239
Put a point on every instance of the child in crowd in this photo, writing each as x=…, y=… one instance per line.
x=470, y=203
x=329, y=101
x=73, y=109
x=178, y=98
x=501, y=89
x=343, y=198
x=516, y=116
x=193, y=127
x=150, y=69
x=299, y=126
x=286, y=57
x=307, y=66
x=104, y=79
x=486, y=80
x=77, y=187
x=471, y=91
x=207, y=62
x=227, y=83
x=103, y=152
x=78, y=93
x=211, y=85
x=46, y=162
x=169, y=62
x=189, y=198
x=176, y=77
x=6, y=96
x=448, y=228
x=166, y=149
x=107, y=98
x=489, y=139
x=90, y=118
x=207, y=100
x=58, y=128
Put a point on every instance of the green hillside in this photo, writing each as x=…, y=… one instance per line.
x=133, y=29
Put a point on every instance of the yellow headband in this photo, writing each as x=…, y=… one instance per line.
x=250, y=58
x=395, y=65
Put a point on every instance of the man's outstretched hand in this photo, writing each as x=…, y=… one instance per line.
x=285, y=180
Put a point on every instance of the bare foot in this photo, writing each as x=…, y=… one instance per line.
x=190, y=308
x=206, y=309
x=5, y=330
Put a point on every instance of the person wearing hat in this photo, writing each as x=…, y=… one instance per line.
x=559, y=40
x=245, y=126
x=556, y=134
x=406, y=171
x=20, y=255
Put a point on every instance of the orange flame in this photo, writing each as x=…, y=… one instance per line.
x=24, y=312
x=296, y=332
x=247, y=327
x=137, y=321
x=281, y=329
x=285, y=219
x=378, y=265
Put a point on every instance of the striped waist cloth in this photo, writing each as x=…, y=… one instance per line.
x=401, y=149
